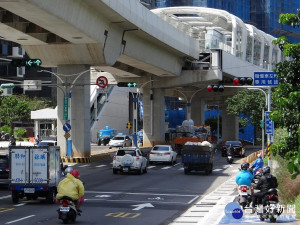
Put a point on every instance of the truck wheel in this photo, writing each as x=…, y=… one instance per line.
x=99, y=142
x=115, y=171
x=14, y=196
x=51, y=196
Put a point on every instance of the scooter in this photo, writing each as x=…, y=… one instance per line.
x=67, y=210
x=244, y=198
x=272, y=209
x=229, y=158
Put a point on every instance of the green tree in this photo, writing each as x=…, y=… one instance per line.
x=248, y=105
x=12, y=109
x=287, y=97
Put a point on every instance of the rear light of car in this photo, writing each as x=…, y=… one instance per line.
x=152, y=153
x=114, y=157
x=7, y=169
x=168, y=153
x=137, y=158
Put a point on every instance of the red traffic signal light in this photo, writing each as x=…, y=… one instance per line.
x=242, y=81
x=209, y=88
x=215, y=88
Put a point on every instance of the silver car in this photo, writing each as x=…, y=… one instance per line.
x=120, y=141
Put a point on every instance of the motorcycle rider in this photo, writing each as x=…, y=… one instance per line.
x=12, y=141
x=71, y=187
x=266, y=182
x=244, y=177
x=37, y=140
x=259, y=163
x=230, y=150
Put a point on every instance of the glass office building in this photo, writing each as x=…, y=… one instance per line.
x=263, y=14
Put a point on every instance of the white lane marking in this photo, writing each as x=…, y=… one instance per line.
x=193, y=199
x=19, y=219
x=217, y=170
x=84, y=166
x=7, y=196
x=21, y=204
x=149, y=167
x=166, y=167
x=101, y=166
x=177, y=164
x=181, y=168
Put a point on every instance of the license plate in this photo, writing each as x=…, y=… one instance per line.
x=29, y=190
x=125, y=169
x=64, y=209
x=159, y=154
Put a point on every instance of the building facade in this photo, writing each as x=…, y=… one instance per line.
x=263, y=14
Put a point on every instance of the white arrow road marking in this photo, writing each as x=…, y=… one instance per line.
x=166, y=167
x=101, y=166
x=141, y=206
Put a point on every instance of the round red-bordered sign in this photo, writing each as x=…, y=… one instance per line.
x=102, y=81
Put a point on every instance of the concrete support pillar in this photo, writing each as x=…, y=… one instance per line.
x=230, y=126
x=198, y=110
x=79, y=110
x=154, y=117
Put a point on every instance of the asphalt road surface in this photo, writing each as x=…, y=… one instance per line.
x=155, y=198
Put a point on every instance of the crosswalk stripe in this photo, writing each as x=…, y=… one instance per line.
x=166, y=167
x=149, y=167
x=100, y=166
x=84, y=166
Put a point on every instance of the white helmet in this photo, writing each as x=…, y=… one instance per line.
x=68, y=169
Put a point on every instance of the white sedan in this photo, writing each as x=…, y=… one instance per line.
x=162, y=153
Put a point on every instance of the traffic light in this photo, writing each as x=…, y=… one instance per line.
x=7, y=85
x=242, y=81
x=128, y=125
x=127, y=84
x=215, y=88
x=262, y=123
x=26, y=62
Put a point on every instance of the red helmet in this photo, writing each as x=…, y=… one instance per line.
x=75, y=173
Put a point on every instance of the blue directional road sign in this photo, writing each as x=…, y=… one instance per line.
x=66, y=127
x=269, y=124
x=265, y=79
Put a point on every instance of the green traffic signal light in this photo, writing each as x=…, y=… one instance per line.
x=127, y=84
x=33, y=62
x=262, y=123
x=26, y=62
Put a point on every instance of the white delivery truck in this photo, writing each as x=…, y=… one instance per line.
x=34, y=172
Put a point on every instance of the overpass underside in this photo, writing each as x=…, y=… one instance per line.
x=133, y=44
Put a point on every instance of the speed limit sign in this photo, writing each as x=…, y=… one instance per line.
x=102, y=81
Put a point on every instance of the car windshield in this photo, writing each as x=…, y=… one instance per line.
x=119, y=138
x=124, y=152
x=160, y=148
x=233, y=143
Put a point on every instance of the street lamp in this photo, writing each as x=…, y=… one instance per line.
x=263, y=118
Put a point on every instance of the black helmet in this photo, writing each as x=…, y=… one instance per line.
x=266, y=170
x=245, y=166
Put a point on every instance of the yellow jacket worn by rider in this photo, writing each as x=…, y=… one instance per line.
x=71, y=187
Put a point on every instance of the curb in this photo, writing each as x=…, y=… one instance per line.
x=77, y=160
x=92, y=158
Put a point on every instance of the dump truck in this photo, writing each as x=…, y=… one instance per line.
x=34, y=172
x=197, y=156
x=105, y=135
